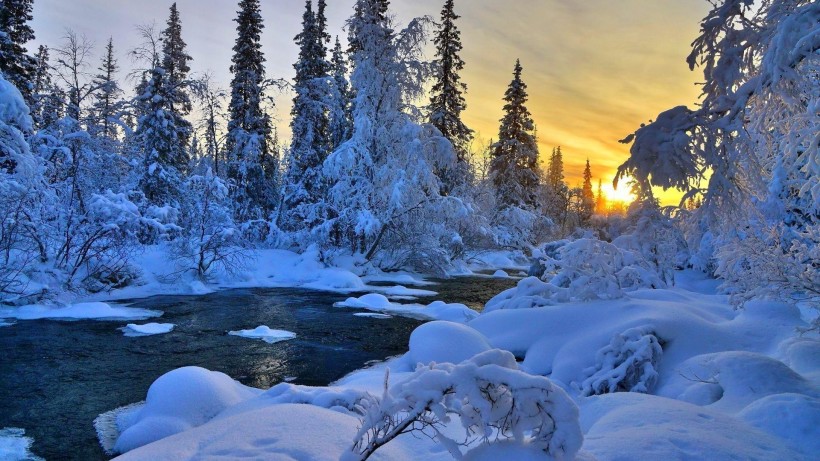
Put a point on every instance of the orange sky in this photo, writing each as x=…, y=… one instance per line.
x=596, y=69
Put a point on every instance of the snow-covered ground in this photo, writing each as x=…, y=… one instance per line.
x=716, y=384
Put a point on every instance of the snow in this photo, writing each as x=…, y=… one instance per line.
x=401, y=290
x=14, y=445
x=148, y=329
x=6, y=323
x=501, y=274
x=437, y=310
x=265, y=333
x=445, y=342
x=80, y=311
x=177, y=401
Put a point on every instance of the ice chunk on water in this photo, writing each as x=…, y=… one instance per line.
x=81, y=311
x=265, y=334
x=148, y=329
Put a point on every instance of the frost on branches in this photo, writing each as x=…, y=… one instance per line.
x=757, y=135
x=488, y=395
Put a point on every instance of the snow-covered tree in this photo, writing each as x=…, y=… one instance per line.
x=17, y=66
x=383, y=181
x=249, y=127
x=514, y=168
x=447, y=100
x=341, y=119
x=177, y=100
x=754, y=136
x=304, y=189
x=106, y=107
x=555, y=169
x=600, y=200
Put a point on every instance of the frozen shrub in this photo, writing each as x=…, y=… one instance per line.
x=493, y=400
x=627, y=364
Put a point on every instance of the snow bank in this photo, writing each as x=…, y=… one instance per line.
x=265, y=334
x=177, y=401
x=81, y=311
x=437, y=310
x=148, y=329
x=15, y=446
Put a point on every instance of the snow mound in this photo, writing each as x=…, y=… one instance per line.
x=266, y=334
x=445, y=342
x=14, y=445
x=437, y=310
x=177, y=401
x=401, y=290
x=81, y=311
x=148, y=329
x=792, y=417
x=501, y=274
x=627, y=426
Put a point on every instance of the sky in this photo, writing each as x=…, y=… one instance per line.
x=596, y=69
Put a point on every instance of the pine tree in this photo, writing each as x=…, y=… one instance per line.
x=249, y=127
x=447, y=102
x=514, y=168
x=17, y=66
x=555, y=169
x=106, y=105
x=161, y=148
x=587, y=196
x=304, y=188
x=175, y=82
x=341, y=119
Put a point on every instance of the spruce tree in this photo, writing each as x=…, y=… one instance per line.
x=175, y=82
x=447, y=102
x=587, y=196
x=249, y=127
x=341, y=118
x=309, y=125
x=17, y=66
x=555, y=170
x=514, y=168
x=105, y=106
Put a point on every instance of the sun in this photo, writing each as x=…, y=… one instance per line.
x=621, y=194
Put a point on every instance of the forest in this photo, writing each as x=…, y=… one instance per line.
x=166, y=182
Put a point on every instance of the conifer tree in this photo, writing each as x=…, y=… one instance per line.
x=555, y=169
x=105, y=106
x=304, y=188
x=447, y=102
x=341, y=118
x=587, y=196
x=175, y=82
x=17, y=66
x=514, y=168
x=249, y=127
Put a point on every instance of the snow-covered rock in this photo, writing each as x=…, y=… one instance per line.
x=437, y=310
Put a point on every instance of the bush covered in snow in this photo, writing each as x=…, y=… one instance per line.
x=628, y=364
x=492, y=398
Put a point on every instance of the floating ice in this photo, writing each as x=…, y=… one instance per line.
x=265, y=334
x=14, y=445
x=148, y=329
x=373, y=315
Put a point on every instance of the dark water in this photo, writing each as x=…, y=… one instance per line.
x=56, y=377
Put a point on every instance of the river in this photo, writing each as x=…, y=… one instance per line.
x=57, y=377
